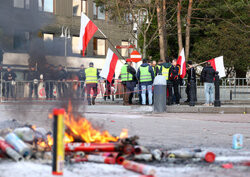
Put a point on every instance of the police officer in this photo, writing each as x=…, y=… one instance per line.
x=92, y=76
x=61, y=78
x=145, y=75
x=81, y=77
x=33, y=77
x=9, y=77
x=128, y=77
x=165, y=70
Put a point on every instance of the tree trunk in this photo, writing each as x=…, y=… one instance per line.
x=164, y=14
x=160, y=26
x=187, y=43
x=179, y=26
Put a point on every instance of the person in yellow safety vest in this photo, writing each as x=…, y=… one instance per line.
x=91, y=81
x=166, y=70
x=145, y=75
x=128, y=78
x=158, y=67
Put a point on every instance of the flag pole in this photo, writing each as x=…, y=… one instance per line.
x=200, y=63
x=111, y=44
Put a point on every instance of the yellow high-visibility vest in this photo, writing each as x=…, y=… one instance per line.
x=91, y=75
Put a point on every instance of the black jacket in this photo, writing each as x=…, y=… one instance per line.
x=33, y=75
x=9, y=76
x=208, y=74
x=81, y=75
x=61, y=75
x=132, y=71
x=190, y=73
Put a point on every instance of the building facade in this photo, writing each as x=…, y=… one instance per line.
x=26, y=23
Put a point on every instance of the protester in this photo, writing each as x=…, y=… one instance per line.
x=81, y=77
x=92, y=76
x=154, y=65
x=61, y=78
x=175, y=79
x=158, y=67
x=9, y=77
x=48, y=74
x=207, y=76
x=33, y=78
x=166, y=70
x=190, y=74
x=145, y=75
x=128, y=77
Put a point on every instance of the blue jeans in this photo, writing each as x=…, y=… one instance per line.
x=144, y=89
x=209, y=92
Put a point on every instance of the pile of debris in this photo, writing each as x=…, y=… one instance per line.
x=28, y=142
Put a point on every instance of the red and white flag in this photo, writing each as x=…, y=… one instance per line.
x=88, y=29
x=218, y=65
x=108, y=69
x=182, y=62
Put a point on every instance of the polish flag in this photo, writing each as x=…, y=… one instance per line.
x=182, y=62
x=218, y=65
x=108, y=69
x=88, y=29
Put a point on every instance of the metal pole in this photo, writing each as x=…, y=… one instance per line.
x=217, y=102
x=111, y=44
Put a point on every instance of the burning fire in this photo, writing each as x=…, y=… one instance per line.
x=82, y=129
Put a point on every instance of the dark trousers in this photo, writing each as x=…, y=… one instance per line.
x=49, y=89
x=176, y=93
x=31, y=88
x=188, y=92
x=169, y=93
x=61, y=88
x=81, y=91
x=108, y=88
x=92, y=86
x=128, y=92
x=9, y=90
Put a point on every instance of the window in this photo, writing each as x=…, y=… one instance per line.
x=21, y=40
x=124, y=51
x=75, y=44
x=46, y=5
x=98, y=12
x=21, y=4
x=48, y=37
x=99, y=46
x=79, y=6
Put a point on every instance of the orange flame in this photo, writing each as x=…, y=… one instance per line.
x=82, y=128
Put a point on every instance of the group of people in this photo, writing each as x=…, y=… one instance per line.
x=145, y=74
x=54, y=77
x=143, y=77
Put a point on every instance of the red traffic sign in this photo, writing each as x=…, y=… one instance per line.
x=135, y=56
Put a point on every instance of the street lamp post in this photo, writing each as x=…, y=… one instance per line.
x=66, y=35
x=138, y=23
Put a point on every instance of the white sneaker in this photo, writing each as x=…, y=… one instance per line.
x=211, y=104
x=205, y=104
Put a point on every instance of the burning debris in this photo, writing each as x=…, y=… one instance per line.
x=83, y=143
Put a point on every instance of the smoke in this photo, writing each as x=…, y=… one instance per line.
x=22, y=28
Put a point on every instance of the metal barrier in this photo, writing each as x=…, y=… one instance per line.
x=54, y=90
